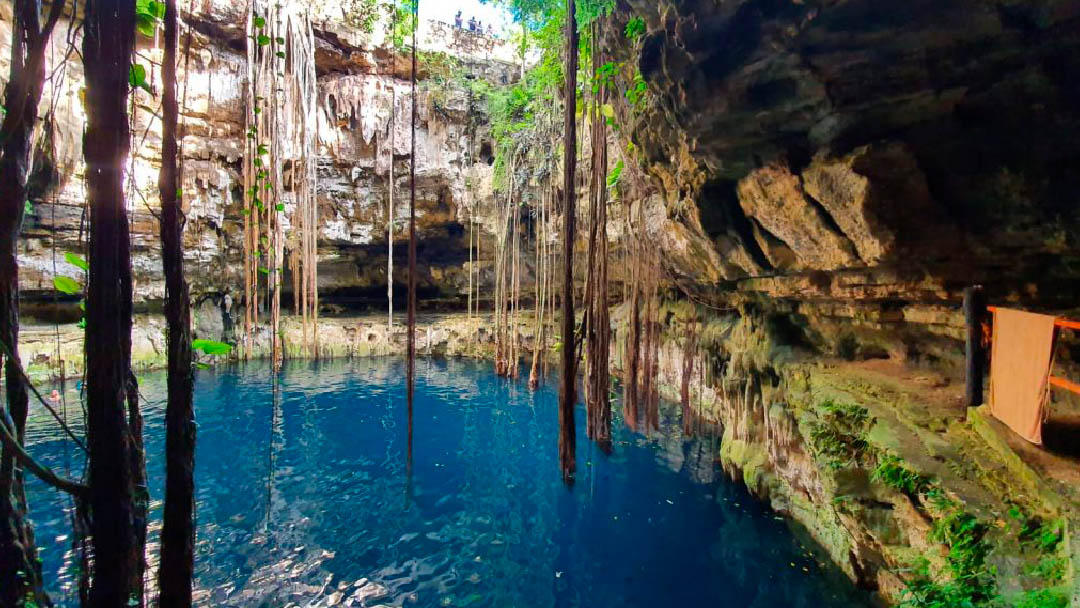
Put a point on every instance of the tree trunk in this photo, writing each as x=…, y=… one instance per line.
x=178, y=530
x=20, y=572
x=112, y=441
x=568, y=354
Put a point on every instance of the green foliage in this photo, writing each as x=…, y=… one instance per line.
x=635, y=28
x=1051, y=568
x=28, y=208
x=67, y=285
x=892, y=472
x=148, y=15
x=1041, y=536
x=1044, y=598
x=970, y=581
x=591, y=10
x=404, y=23
x=77, y=261
x=615, y=175
x=361, y=14
x=838, y=435
x=137, y=77
x=638, y=91
x=211, y=347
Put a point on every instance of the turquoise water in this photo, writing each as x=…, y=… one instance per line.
x=304, y=499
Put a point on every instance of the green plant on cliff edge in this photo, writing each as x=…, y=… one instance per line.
x=892, y=472
x=1043, y=598
x=968, y=580
x=838, y=435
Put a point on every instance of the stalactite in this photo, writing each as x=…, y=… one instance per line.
x=568, y=367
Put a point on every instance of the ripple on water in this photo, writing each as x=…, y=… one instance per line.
x=304, y=499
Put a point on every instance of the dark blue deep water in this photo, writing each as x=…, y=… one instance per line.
x=304, y=500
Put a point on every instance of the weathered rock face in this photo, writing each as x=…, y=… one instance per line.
x=363, y=121
x=860, y=135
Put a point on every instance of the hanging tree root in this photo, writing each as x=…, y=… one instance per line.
x=42, y=472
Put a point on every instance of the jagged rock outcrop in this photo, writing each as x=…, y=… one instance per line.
x=886, y=137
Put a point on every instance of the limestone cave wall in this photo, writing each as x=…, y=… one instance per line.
x=363, y=89
x=854, y=164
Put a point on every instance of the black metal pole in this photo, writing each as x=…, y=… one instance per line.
x=974, y=313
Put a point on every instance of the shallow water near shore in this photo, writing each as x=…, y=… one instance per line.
x=304, y=499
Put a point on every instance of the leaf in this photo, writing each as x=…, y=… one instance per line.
x=28, y=208
x=616, y=173
x=279, y=40
x=137, y=77
x=145, y=25
x=280, y=54
x=211, y=347
x=607, y=110
x=67, y=285
x=280, y=207
x=262, y=40
x=260, y=22
x=77, y=260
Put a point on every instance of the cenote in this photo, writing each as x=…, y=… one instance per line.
x=306, y=499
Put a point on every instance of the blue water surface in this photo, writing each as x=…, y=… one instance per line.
x=304, y=499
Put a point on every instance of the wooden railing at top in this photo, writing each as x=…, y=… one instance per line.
x=1054, y=380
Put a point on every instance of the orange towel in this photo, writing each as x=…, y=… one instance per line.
x=1019, y=370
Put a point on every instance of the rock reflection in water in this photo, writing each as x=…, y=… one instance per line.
x=303, y=500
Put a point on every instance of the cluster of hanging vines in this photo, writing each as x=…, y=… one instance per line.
x=281, y=134
x=641, y=361
x=597, y=320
